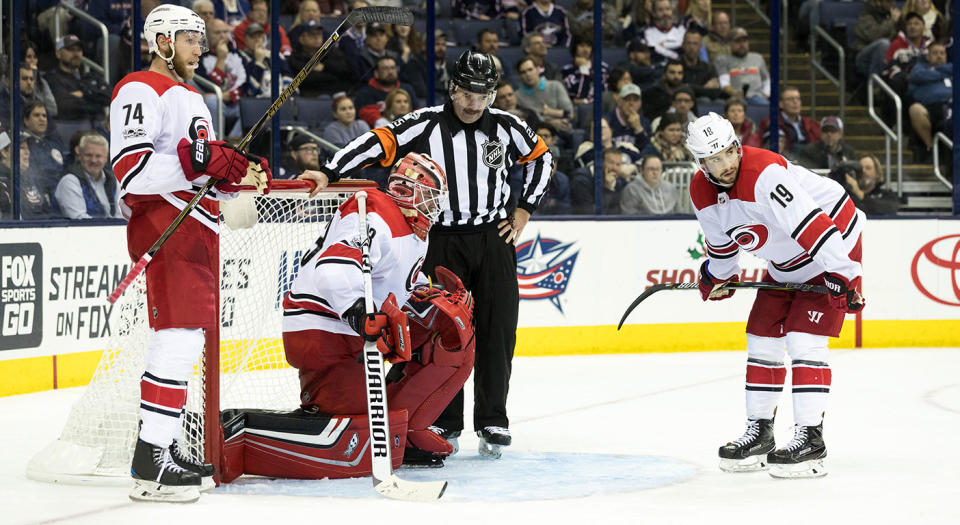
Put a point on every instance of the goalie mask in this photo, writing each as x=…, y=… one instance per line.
x=419, y=187
x=709, y=139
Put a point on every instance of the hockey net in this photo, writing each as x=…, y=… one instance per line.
x=243, y=366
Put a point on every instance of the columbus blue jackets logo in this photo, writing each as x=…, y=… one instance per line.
x=493, y=153
x=543, y=269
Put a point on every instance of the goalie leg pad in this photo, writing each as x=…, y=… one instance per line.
x=303, y=444
x=425, y=390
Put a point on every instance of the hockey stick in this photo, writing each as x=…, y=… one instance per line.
x=786, y=287
x=384, y=480
x=361, y=15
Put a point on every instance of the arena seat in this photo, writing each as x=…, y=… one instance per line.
x=315, y=112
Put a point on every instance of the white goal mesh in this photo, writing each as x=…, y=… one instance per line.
x=261, y=241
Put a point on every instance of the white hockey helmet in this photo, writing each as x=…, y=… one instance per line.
x=168, y=20
x=709, y=135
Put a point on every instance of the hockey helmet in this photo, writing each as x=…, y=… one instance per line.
x=709, y=135
x=475, y=73
x=419, y=187
x=168, y=20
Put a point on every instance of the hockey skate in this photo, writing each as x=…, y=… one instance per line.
x=205, y=470
x=802, y=457
x=749, y=452
x=417, y=458
x=492, y=441
x=452, y=436
x=158, y=478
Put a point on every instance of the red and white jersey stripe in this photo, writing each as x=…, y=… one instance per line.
x=330, y=279
x=802, y=223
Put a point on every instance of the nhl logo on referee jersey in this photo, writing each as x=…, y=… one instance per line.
x=493, y=153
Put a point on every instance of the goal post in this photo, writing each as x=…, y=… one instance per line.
x=243, y=366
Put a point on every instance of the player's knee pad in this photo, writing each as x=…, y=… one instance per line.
x=807, y=347
x=173, y=352
x=424, y=390
x=765, y=348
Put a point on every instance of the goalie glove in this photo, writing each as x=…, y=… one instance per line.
x=712, y=288
x=443, y=314
x=844, y=294
x=387, y=327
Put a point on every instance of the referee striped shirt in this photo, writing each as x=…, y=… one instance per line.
x=475, y=157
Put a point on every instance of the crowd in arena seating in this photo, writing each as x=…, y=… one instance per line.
x=665, y=63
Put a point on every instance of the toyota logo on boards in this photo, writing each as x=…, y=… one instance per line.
x=936, y=270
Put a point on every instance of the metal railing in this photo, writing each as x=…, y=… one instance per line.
x=816, y=65
x=105, y=68
x=888, y=133
x=940, y=137
x=766, y=20
x=218, y=127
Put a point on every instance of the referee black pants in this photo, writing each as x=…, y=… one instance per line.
x=488, y=268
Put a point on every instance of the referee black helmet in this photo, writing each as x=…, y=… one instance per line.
x=475, y=72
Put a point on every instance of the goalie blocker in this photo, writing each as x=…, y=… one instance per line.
x=310, y=443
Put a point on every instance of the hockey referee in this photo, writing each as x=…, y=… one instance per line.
x=476, y=146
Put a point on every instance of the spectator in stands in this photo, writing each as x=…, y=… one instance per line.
x=735, y=110
x=398, y=41
x=396, y=105
x=630, y=154
x=830, y=150
x=308, y=10
x=578, y=75
x=233, y=12
x=331, y=75
x=535, y=47
x=374, y=48
x=488, y=41
x=28, y=92
x=649, y=194
x=415, y=72
x=665, y=35
x=799, y=129
x=905, y=51
x=79, y=95
x=29, y=57
x=627, y=123
x=717, y=41
x=934, y=25
x=683, y=104
x=931, y=89
x=642, y=71
x=89, y=191
x=485, y=9
x=352, y=40
x=256, y=63
x=659, y=97
x=205, y=10
x=667, y=141
x=547, y=98
x=507, y=101
x=371, y=96
x=46, y=150
x=224, y=67
x=260, y=14
x=303, y=154
x=556, y=199
x=698, y=17
x=35, y=202
x=113, y=14
x=613, y=183
x=581, y=20
x=699, y=75
x=619, y=77
x=640, y=13
x=548, y=20
x=345, y=126
x=744, y=73
x=864, y=183
x=876, y=26
x=331, y=8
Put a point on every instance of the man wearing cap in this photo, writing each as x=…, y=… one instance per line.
x=830, y=150
x=643, y=73
x=627, y=123
x=798, y=129
x=35, y=202
x=330, y=75
x=79, y=95
x=304, y=154
x=743, y=73
x=224, y=67
x=260, y=14
x=256, y=63
x=374, y=48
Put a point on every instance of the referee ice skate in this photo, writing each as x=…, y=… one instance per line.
x=476, y=146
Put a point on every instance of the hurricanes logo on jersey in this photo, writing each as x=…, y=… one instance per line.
x=199, y=129
x=750, y=237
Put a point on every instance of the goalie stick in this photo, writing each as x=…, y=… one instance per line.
x=384, y=480
x=361, y=15
x=787, y=287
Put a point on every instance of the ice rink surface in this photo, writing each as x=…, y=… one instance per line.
x=615, y=439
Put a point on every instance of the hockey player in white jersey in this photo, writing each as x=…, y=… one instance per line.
x=808, y=230
x=163, y=149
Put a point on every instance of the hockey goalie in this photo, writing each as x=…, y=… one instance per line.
x=424, y=328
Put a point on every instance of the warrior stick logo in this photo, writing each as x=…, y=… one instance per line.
x=543, y=269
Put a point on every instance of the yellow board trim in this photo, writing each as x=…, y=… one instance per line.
x=35, y=374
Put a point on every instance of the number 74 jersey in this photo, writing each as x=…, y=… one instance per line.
x=802, y=223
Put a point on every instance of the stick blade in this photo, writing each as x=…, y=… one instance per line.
x=398, y=489
x=383, y=15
